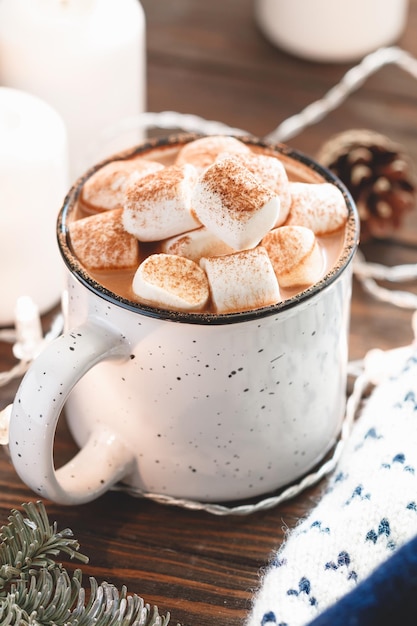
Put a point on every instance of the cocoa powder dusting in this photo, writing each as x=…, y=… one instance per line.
x=177, y=275
x=105, y=188
x=288, y=246
x=238, y=189
x=154, y=187
x=100, y=242
x=202, y=152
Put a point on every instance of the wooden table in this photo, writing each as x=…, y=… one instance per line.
x=208, y=58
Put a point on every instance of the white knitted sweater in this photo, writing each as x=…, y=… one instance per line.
x=368, y=510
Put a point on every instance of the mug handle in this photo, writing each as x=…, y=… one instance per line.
x=104, y=459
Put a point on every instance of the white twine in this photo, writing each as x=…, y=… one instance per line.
x=368, y=273
x=20, y=368
x=170, y=120
x=351, y=81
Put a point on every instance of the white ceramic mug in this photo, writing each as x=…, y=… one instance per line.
x=337, y=31
x=207, y=407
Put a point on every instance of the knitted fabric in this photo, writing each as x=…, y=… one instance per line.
x=386, y=598
x=368, y=511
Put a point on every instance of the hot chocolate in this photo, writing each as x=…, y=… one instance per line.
x=214, y=225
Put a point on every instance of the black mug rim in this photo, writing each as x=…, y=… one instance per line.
x=73, y=265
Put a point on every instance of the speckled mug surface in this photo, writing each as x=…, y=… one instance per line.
x=198, y=406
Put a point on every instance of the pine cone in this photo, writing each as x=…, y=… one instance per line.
x=378, y=175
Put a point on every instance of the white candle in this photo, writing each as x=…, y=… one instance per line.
x=85, y=57
x=33, y=183
x=331, y=30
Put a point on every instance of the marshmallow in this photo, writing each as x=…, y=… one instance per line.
x=269, y=171
x=101, y=243
x=158, y=206
x=195, y=244
x=105, y=188
x=295, y=255
x=319, y=206
x=230, y=202
x=171, y=282
x=202, y=152
x=241, y=281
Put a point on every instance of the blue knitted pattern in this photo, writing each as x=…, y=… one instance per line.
x=366, y=514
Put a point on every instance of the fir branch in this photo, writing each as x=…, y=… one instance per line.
x=37, y=591
x=43, y=598
x=108, y=607
x=28, y=542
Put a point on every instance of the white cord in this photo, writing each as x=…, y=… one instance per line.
x=15, y=372
x=170, y=120
x=22, y=365
x=368, y=273
x=351, y=81
x=397, y=273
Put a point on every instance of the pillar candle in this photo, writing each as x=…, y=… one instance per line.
x=33, y=183
x=337, y=31
x=84, y=57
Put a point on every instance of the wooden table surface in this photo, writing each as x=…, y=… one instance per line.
x=209, y=59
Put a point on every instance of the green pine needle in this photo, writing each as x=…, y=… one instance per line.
x=35, y=590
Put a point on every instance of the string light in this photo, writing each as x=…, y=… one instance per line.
x=29, y=336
